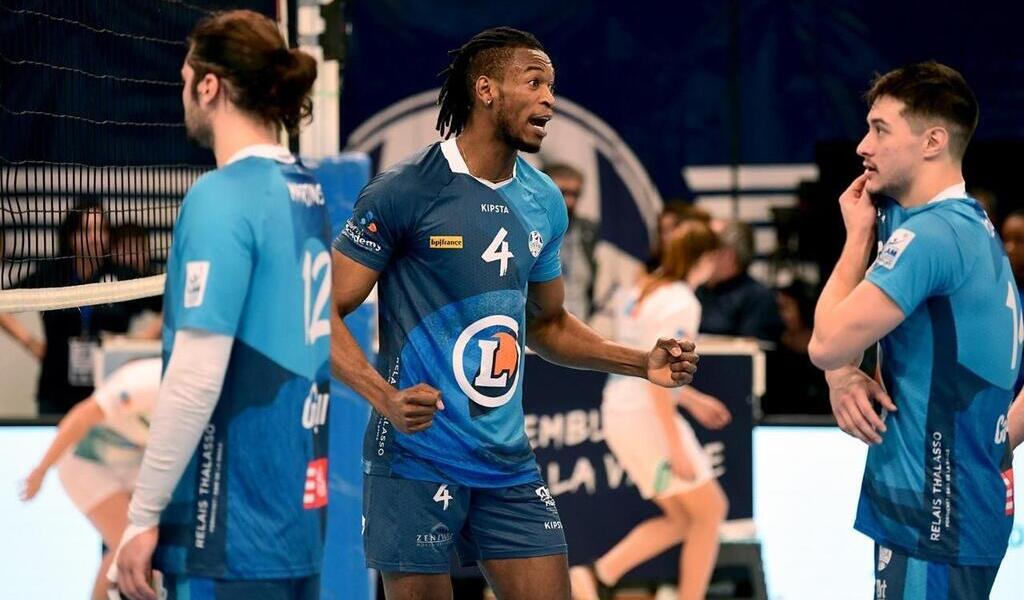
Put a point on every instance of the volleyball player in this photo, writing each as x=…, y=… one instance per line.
x=941, y=300
x=649, y=438
x=97, y=451
x=230, y=497
x=463, y=238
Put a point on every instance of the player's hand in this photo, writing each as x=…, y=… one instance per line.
x=134, y=566
x=852, y=394
x=30, y=487
x=709, y=411
x=681, y=464
x=672, y=363
x=858, y=210
x=412, y=409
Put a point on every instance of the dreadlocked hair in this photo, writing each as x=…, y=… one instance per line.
x=486, y=53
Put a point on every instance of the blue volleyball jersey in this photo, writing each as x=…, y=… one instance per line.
x=939, y=486
x=250, y=259
x=455, y=256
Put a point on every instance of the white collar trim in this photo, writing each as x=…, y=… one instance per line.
x=458, y=165
x=271, y=151
x=957, y=190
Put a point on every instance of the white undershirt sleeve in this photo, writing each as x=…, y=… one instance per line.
x=188, y=394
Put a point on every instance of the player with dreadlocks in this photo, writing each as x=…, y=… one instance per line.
x=463, y=238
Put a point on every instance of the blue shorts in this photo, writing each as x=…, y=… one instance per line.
x=184, y=587
x=412, y=526
x=902, y=577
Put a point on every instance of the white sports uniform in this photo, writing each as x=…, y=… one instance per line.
x=628, y=416
x=107, y=459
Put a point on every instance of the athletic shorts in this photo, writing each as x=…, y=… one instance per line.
x=184, y=587
x=639, y=444
x=901, y=577
x=412, y=526
x=88, y=482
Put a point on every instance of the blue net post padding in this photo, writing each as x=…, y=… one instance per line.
x=344, y=575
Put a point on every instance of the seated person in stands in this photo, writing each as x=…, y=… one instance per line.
x=72, y=334
x=735, y=303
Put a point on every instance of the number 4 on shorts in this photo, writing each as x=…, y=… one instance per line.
x=442, y=495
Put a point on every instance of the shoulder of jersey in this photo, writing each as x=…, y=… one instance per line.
x=149, y=367
x=421, y=174
x=535, y=180
x=938, y=219
x=683, y=290
x=143, y=371
x=675, y=294
x=538, y=182
x=223, y=182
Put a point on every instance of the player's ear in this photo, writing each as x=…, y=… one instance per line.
x=936, y=140
x=486, y=90
x=209, y=88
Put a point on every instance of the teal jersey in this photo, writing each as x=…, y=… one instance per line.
x=939, y=486
x=456, y=256
x=250, y=260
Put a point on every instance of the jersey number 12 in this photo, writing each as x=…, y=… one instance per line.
x=1018, y=324
x=317, y=324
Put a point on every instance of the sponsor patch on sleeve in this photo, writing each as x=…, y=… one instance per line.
x=893, y=249
x=196, y=273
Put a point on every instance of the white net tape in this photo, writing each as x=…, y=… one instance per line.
x=24, y=300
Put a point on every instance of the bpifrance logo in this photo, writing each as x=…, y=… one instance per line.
x=486, y=358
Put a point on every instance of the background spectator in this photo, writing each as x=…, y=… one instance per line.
x=71, y=335
x=578, y=265
x=735, y=303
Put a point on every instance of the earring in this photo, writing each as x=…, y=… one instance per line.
x=488, y=102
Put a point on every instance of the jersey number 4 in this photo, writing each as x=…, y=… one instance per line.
x=314, y=270
x=498, y=251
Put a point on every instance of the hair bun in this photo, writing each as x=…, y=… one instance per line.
x=283, y=58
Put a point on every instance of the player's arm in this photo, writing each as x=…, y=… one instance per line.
x=852, y=314
x=709, y=411
x=561, y=338
x=213, y=245
x=843, y=331
x=13, y=327
x=188, y=395
x=1015, y=421
x=84, y=416
x=410, y=410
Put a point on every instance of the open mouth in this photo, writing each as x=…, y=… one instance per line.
x=870, y=169
x=538, y=123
